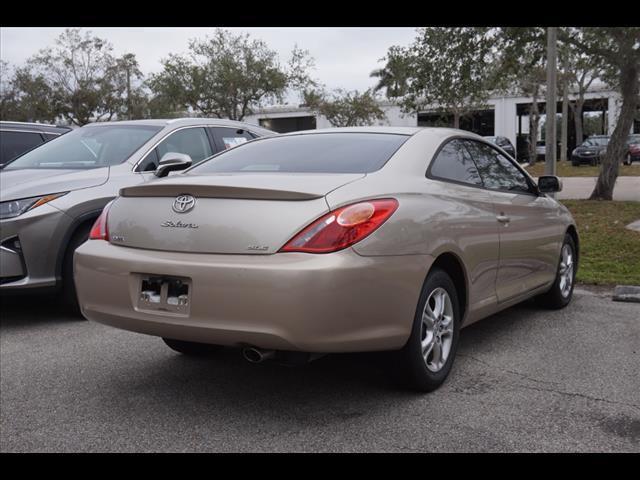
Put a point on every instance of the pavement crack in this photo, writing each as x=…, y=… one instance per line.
x=513, y=372
x=580, y=395
x=553, y=390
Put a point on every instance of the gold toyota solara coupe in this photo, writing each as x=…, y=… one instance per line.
x=338, y=240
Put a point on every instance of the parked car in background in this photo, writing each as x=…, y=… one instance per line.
x=17, y=138
x=590, y=151
x=633, y=155
x=51, y=195
x=522, y=148
x=335, y=240
x=504, y=143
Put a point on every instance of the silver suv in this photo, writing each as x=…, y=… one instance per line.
x=51, y=195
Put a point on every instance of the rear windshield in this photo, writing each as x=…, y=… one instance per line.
x=595, y=142
x=308, y=153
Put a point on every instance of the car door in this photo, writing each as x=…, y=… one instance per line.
x=528, y=224
x=192, y=141
x=470, y=219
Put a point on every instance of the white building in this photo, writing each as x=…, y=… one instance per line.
x=505, y=115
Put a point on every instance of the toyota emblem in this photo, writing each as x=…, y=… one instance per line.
x=183, y=203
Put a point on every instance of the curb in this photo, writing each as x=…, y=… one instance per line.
x=626, y=293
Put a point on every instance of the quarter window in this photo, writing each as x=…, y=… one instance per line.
x=454, y=163
x=231, y=137
x=497, y=171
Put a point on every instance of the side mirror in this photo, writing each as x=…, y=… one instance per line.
x=549, y=184
x=172, y=161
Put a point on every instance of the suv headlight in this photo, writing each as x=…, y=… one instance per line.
x=15, y=208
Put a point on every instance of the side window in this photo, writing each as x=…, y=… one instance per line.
x=192, y=141
x=13, y=144
x=454, y=163
x=230, y=137
x=497, y=171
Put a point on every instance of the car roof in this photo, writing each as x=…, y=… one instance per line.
x=35, y=127
x=179, y=122
x=440, y=131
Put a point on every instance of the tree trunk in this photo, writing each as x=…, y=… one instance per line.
x=577, y=118
x=456, y=120
x=617, y=147
x=565, y=120
x=534, y=118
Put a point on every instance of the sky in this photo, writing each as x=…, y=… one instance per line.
x=344, y=57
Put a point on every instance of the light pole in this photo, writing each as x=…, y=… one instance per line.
x=550, y=132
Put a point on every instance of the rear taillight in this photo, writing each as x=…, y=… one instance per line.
x=99, y=231
x=342, y=227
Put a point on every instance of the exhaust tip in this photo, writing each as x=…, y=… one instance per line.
x=256, y=355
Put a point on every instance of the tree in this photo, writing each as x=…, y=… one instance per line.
x=618, y=50
x=25, y=96
x=394, y=76
x=228, y=76
x=78, y=70
x=449, y=69
x=345, y=108
x=581, y=70
x=126, y=78
x=522, y=62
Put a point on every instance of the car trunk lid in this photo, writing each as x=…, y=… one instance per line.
x=231, y=213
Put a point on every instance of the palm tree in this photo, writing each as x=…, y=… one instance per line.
x=393, y=77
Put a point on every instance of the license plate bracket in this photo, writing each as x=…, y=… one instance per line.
x=164, y=293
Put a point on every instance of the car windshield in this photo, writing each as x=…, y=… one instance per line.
x=85, y=148
x=634, y=139
x=596, y=142
x=308, y=153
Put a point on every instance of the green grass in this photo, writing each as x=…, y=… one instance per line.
x=609, y=253
x=565, y=169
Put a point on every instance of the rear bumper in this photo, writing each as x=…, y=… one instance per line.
x=339, y=302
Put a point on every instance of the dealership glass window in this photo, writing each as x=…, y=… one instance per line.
x=497, y=171
x=454, y=163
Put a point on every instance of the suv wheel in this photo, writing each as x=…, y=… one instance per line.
x=69, y=295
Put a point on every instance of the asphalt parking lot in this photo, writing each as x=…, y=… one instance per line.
x=524, y=380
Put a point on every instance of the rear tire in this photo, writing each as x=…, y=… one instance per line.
x=427, y=357
x=191, y=348
x=560, y=294
x=69, y=294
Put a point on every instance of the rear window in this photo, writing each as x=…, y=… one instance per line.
x=308, y=153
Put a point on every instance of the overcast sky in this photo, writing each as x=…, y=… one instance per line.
x=344, y=57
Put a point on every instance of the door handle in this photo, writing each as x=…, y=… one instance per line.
x=503, y=218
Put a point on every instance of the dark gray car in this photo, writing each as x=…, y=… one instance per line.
x=51, y=195
x=17, y=138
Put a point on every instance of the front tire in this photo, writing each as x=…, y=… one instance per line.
x=561, y=292
x=427, y=357
x=191, y=348
x=69, y=294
